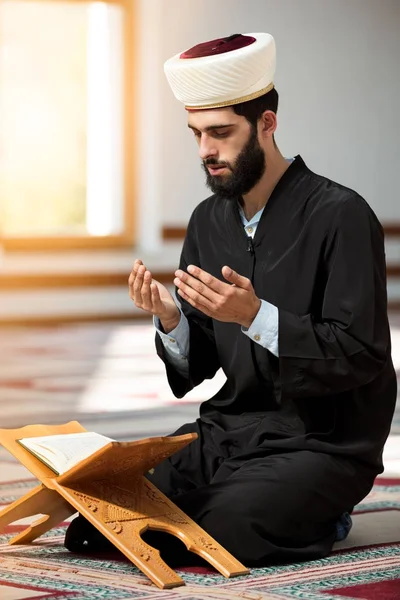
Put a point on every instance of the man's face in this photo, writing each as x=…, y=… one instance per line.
x=233, y=159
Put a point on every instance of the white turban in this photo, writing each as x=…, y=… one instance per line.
x=223, y=72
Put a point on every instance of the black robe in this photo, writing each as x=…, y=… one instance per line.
x=289, y=445
x=318, y=255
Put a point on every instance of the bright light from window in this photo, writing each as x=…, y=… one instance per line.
x=61, y=118
x=104, y=93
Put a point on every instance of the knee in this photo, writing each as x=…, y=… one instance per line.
x=255, y=539
x=230, y=527
x=252, y=533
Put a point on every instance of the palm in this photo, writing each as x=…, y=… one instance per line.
x=151, y=296
x=165, y=295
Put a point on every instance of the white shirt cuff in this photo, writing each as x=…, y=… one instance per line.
x=264, y=330
x=176, y=342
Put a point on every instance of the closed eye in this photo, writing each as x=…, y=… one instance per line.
x=220, y=134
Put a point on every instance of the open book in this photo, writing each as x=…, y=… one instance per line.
x=61, y=452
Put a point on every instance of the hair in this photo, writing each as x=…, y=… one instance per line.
x=253, y=109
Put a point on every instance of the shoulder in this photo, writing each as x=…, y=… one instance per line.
x=336, y=203
x=207, y=211
x=205, y=207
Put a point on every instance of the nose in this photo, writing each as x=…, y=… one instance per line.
x=207, y=147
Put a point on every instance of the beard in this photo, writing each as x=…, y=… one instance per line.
x=245, y=172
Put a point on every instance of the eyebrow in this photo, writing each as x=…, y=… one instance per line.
x=212, y=127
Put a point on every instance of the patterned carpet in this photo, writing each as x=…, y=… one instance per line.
x=108, y=377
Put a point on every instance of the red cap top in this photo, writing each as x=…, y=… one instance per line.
x=219, y=46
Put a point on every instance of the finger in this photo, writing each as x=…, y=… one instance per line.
x=198, y=299
x=155, y=298
x=138, y=281
x=190, y=284
x=236, y=279
x=195, y=304
x=137, y=285
x=135, y=267
x=145, y=291
x=202, y=282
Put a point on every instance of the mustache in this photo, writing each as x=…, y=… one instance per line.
x=213, y=161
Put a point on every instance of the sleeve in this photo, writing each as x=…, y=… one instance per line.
x=346, y=346
x=264, y=328
x=176, y=344
x=203, y=360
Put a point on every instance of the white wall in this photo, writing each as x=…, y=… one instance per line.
x=339, y=82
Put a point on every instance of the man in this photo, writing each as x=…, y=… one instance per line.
x=282, y=285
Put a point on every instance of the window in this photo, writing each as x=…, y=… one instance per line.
x=66, y=106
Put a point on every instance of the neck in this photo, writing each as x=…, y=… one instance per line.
x=259, y=195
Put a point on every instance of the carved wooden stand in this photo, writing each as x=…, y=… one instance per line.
x=110, y=490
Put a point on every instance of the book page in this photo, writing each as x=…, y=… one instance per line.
x=62, y=452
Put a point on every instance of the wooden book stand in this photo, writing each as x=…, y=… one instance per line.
x=110, y=490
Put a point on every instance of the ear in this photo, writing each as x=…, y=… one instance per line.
x=268, y=124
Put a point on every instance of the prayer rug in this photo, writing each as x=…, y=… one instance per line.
x=108, y=377
x=364, y=566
